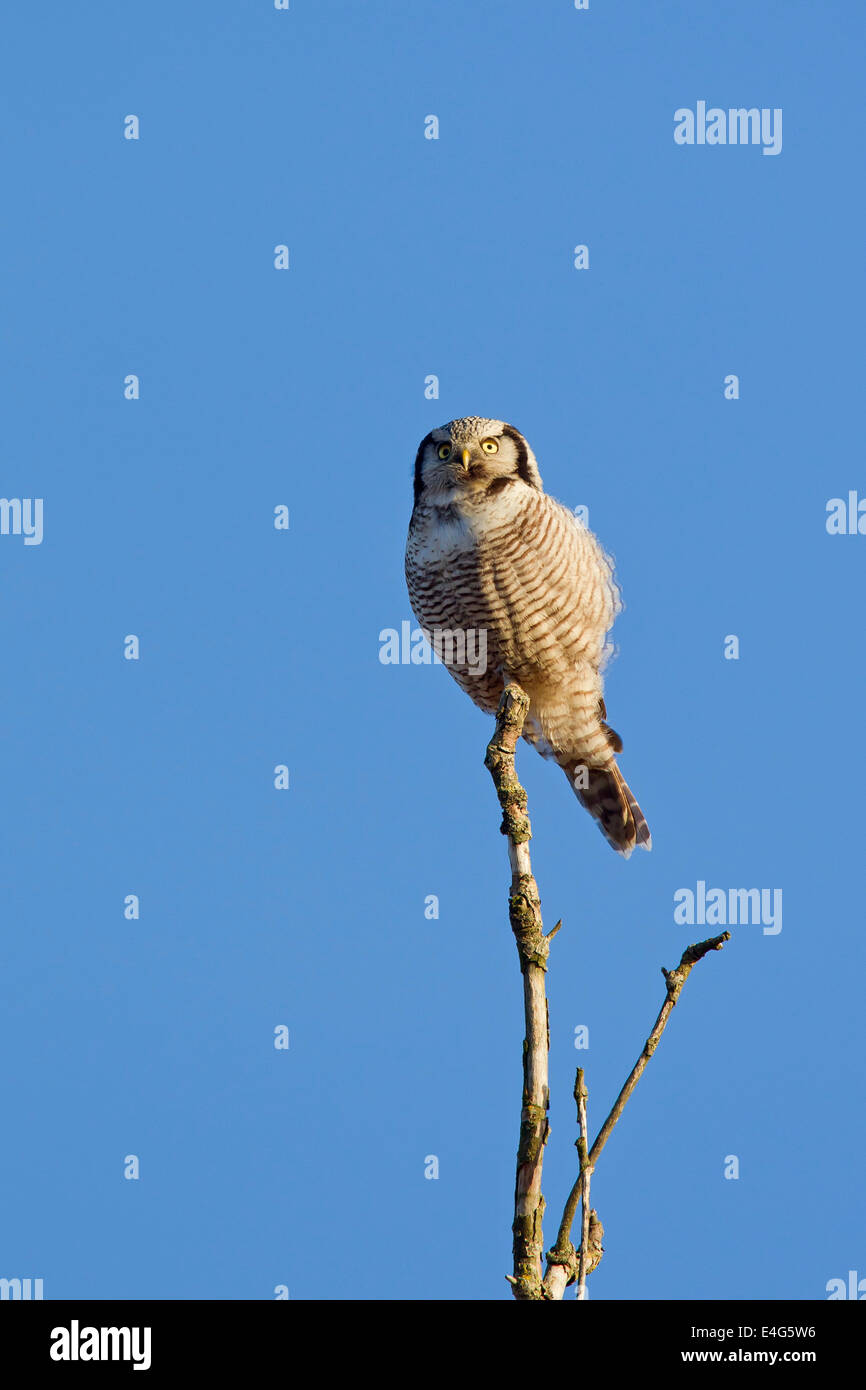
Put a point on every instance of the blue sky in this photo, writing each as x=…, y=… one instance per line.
x=258, y=647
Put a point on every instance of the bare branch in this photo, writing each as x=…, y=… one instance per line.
x=564, y=1263
x=586, y=1174
x=561, y=1257
x=524, y=911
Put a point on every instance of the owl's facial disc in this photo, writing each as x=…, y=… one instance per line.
x=466, y=457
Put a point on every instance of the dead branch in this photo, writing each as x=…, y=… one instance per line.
x=524, y=911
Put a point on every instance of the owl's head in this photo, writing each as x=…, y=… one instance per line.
x=472, y=455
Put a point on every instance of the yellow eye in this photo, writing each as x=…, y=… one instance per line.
x=490, y=446
x=444, y=451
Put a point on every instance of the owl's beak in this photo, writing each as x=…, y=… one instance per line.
x=466, y=457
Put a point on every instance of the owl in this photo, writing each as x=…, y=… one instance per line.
x=508, y=584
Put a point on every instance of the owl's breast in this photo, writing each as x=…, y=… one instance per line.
x=443, y=568
x=524, y=571
x=466, y=571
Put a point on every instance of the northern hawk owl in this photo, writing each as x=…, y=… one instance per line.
x=493, y=560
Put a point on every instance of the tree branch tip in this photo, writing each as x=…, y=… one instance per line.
x=514, y=693
x=553, y=930
x=691, y=955
x=694, y=953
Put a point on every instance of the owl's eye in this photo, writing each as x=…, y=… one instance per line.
x=490, y=446
x=444, y=450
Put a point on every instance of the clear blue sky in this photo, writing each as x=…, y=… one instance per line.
x=305, y=387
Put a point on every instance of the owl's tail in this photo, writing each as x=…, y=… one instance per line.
x=607, y=796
